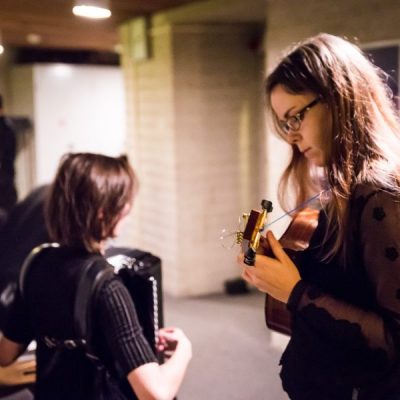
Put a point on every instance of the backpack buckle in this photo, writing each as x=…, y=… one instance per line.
x=70, y=344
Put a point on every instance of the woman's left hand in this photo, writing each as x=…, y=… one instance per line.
x=275, y=276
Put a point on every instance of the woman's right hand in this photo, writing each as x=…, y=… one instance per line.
x=276, y=275
x=170, y=338
x=162, y=381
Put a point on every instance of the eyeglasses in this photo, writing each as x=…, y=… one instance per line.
x=293, y=123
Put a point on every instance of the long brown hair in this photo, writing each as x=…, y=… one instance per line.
x=87, y=197
x=364, y=145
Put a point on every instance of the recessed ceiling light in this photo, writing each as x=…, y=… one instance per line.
x=118, y=48
x=33, y=38
x=97, y=9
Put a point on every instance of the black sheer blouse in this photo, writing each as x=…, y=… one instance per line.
x=345, y=340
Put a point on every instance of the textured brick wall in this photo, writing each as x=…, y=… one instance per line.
x=151, y=147
x=196, y=135
x=196, y=140
x=219, y=145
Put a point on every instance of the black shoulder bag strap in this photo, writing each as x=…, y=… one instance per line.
x=28, y=262
x=95, y=274
x=96, y=271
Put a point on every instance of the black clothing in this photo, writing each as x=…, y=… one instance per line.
x=25, y=229
x=8, y=152
x=346, y=318
x=47, y=310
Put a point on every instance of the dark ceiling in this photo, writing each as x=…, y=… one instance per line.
x=52, y=22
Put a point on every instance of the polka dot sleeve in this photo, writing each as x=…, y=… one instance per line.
x=380, y=241
x=371, y=334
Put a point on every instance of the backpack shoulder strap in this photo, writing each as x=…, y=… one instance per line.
x=28, y=262
x=96, y=271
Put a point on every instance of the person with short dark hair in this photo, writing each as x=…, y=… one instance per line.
x=88, y=201
x=8, y=152
x=333, y=108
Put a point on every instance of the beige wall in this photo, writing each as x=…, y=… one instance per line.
x=366, y=21
x=196, y=134
x=194, y=115
x=62, y=121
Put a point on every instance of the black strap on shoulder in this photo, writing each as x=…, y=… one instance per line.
x=28, y=262
x=96, y=271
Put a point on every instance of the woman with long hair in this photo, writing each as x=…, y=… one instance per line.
x=334, y=109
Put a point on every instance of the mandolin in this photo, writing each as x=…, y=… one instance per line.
x=296, y=238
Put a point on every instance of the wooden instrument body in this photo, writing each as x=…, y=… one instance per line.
x=295, y=239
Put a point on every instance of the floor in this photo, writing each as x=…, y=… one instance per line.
x=232, y=353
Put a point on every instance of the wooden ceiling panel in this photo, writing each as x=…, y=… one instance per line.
x=57, y=27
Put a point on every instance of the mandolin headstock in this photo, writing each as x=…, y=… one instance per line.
x=254, y=227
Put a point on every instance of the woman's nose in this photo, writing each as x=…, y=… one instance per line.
x=293, y=137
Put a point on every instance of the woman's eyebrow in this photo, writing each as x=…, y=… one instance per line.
x=286, y=115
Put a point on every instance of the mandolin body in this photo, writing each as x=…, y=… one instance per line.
x=295, y=239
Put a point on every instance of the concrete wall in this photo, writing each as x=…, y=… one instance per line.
x=194, y=110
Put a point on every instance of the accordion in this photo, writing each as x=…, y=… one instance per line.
x=141, y=274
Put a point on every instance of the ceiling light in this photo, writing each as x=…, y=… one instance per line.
x=33, y=38
x=97, y=9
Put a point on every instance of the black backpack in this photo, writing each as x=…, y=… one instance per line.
x=94, y=273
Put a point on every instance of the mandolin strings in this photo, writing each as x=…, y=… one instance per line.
x=300, y=206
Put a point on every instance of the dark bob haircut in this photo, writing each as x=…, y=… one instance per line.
x=87, y=198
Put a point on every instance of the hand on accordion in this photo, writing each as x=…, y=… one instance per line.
x=170, y=338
